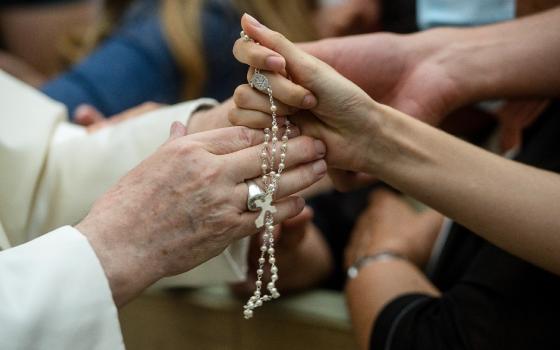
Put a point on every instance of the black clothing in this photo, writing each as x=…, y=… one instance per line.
x=491, y=299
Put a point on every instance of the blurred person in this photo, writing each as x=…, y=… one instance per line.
x=34, y=33
x=168, y=51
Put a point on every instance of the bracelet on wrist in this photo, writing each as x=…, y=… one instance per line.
x=362, y=261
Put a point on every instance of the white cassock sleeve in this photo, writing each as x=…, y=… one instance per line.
x=54, y=295
x=53, y=171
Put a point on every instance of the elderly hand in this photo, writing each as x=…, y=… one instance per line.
x=187, y=202
x=391, y=224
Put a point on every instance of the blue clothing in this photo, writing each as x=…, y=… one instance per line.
x=462, y=13
x=135, y=64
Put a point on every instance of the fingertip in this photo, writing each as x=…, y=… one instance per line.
x=309, y=101
x=275, y=64
x=248, y=19
x=300, y=204
x=177, y=130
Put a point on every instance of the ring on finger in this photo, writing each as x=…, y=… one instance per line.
x=255, y=193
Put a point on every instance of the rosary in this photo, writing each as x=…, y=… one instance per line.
x=260, y=200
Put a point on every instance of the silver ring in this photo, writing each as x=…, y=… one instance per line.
x=255, y=192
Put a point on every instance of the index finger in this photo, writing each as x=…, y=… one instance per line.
x=249, y=52
x=227, y=140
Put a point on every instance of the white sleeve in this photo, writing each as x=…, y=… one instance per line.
x=54, y=295
x=80, y=167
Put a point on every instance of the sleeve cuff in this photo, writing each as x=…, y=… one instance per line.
x=387, y=322
x=55, y=295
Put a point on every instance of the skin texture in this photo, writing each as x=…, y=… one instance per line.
x=388, y=224
x=186, y=203
x=364, y=135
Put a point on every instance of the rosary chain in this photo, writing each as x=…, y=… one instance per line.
x=270, y=178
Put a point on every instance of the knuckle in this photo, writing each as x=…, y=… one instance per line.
x=246, y=136
x=241, y=96
x=306, y=146
x=254, y=56
x=186, y=149
x=233, y=116
x=277, y=39
x=296, y=95
x=211, y=173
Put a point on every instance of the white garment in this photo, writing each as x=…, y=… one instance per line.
x=463, y=13
x=50, y=174
x=54, y=295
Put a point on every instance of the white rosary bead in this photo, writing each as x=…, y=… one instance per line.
x=270, y=178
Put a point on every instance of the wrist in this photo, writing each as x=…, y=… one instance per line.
x=365, y=260
x=127, y=276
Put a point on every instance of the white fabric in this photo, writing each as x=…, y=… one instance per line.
x=54, y=295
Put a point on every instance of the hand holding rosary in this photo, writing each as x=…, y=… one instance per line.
x=259, y=200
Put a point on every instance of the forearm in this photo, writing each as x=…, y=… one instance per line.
x=507, y=60
x=378, y=284
x=510, y=204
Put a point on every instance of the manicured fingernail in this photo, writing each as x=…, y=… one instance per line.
x=253, y=20
x=320, y=167
x=275, y=63
x=309, y=101
x=320, y=148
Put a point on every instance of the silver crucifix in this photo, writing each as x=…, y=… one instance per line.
x=265, y=205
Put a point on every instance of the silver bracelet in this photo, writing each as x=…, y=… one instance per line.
x=368, y=259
